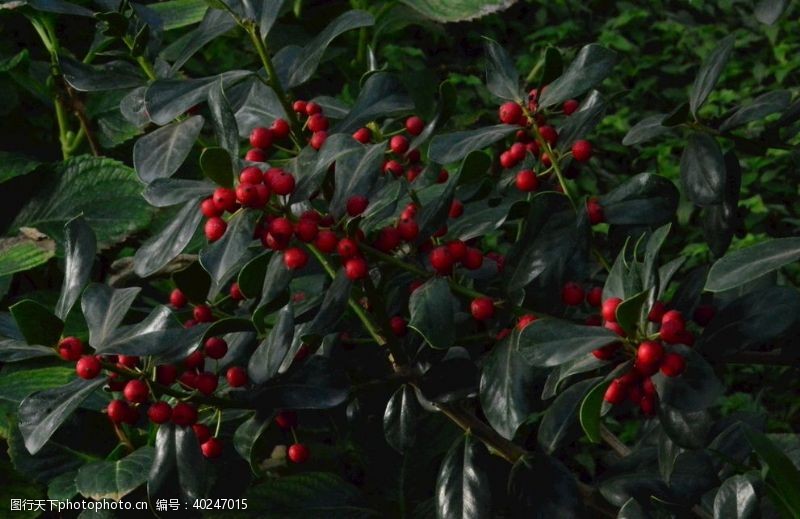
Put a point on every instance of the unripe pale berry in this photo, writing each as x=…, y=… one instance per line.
x=159, y=412
x=88, y=367
x=673, y=364
x=609, y=309
x=212, y=448
x=572, y=294
x=215, y=348
x=356, y=268
x=136, y=391
x=356, y=205
x=414, y=125
x=236, y=376
x=295, y=258
x=509, y=113
x=441, y=260
x=215, y=228
x=482, y=308
x=527, y=181
x=582, y=150
x=70, y=348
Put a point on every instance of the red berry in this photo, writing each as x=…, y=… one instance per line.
x=286, y=419
x=673, y=316
x=648, y=387
x=282, y=182
x=507, y=160
x=398, y=325
x=299, y=106
x=458, y=250
x=215, y=228
x=251, y=175
x=202, y=314
x=388, y=239
x=594, y=296
x=616, y=393
x=212, y=448
x=118, y=411
x=549, y=134
x=235, y=292
x=648, y=404
x=298, y=453
x=673, y=364
x=672, y=332
x=177, y=299
x=362, y=135
x=609, y=310
x=414, y=125
x=482, y=308
x=224, y=199
x=317, y=123
x=524, y=321
x=606, y=352
x=456, y=209
x=356, y=268
x=280, y=128
x=195, y=360
x=703, y=314
x=441, y=260
x=184, y=414
x=166, y=374
x=206, y=382
x=189, y=379
x=255, y=155
x=356, y=205
x=615, y=327
x=209, y=208
x=443, y=176
x=318, y=140
x=393, y=167
x=408, y=229
x=398, y=144
x=581, y=150
x=136, y=391
x=649, y=353
x=570, y=105
x=88, y=367
x=347, y=248
x=595, y=211
x=657, y=312
x=159, y=412
x=545, y=159
x=202, y=432
x=313, y=108
x=215, y=348
x=236, y=376
x=306, y=230
x=527, y=181
x=295, y=258
x=261, y=137
x=247, y=195
x=518, y=151
x=281, y=228
x=473, y=259
x=572, y=294
x=509, y=113
x=326, y=241
x=70, y=348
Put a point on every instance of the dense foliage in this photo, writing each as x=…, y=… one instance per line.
x=450, y=258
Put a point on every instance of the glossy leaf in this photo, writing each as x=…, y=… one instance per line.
x=114, y=75
x=166, y=192
x=36, y=323
x=223, y=119
x=215, y=23
x=310, y=167
x=22, y=253
x=248, y=433
x=260, y=107
x=159, y=154
x=42, y=413
x=16, y=385
x=720, y=220
x=401, y=417
x=462, y=488
x=709, y=73
x=550, y=342
x=115, y=479
x=457, y=10
x=743, y=265
x=644, y=199
x=582, y=122
x=270, y=9
x=781, y=475
x=166, y=99
x=15, y=165
x=502, y=78
x=190, y=462
x=629, y=312
x=452, y=147
x=736, y=498
x=647, y=129
x=80, y=247
x=104, y=308
x=317, y=384
x=358, y=179
x=768, y=11
x=163, y=247
x=13, y=350
x=560, y=422
x=590, y=411
x=703, y=170
x=276, y=280
x=432, y=315
x=758, y=108
x=380, y=95
x=270, y=354
x=695, y=389
x=589, y=68
x=541, y=486
x=221, y=258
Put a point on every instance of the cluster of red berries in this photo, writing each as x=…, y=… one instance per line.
x=316, y=123
x=403, y=159
x=297, y=452
x=444, y=257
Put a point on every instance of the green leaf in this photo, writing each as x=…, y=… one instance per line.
x=647, y=129
x=221, y=258
x=589, y=414
x=331, y=310
x=15, y=165
x=502, y=78
x=686, y=429
x=381, y=95
x=104, y=190
x=781, y=474
x=736, y=499
x=553, y=66
x=480, y=219
x=251, y=277
x=632, y=510
x=16, y=385
x=507, y=389
x=214, y=23
x=276, y=281
x=270, y=9
x=709, y=73
x=432, y=315
x=560, y=421
x=758, y=108
x=38, y=324
x=23, y=253
x=623, y=280
x=223, y=120
x=194, y=282
x=541, y=486
x=754, y=319
x=163, y=467
x=41, y=413
x=50, y=462
x=743, y=265
x=175, y=14
x=163, y=247
x=113, y=75
x=462, y=487
x=457, y=10
x=80, y=247
x=644, y=199
x=310, y=167
x=434, y=214
x=452, y=147
x=190, y=462
x=768, y=11
x=104, y=308
x=247, y=434
x=296, y=65
x=581, y=123
x=401, y=418
x=629, y=312
x=115, y=479
x=550, y=342
x=62, y=488
x=13, y=350
x=703, y=170
x=696, y=389
x=356, y=174
x=590, y=67
x=316, y=384
x=159, y=154
x=261, y=106
x=270, y=354
x=720, y=220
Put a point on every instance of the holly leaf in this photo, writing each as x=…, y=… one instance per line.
x=560, y=421
x=703, y=170
x=115, y=479
x=270, y=354
x=590, y=67
x=590, y=411
x=36, y=323
x=644, y=199
x=758, y=108
x=462, y=488
x=221, y=258
x=159, y=154
x=550, y=342
x=104, y=308
x=401, y=418
x=80, y=247
x=738, y=267
x=647, y=129
x=432, y=315
x=163, y=247
x=452, y=147
x=709, y=73
x=502, y=78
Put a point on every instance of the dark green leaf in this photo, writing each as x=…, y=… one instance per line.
x=644, y=199
x=190, y=463
x=629, y=312
x=677, y=116
x=12, y=350
x=40, y=414
x=356, y=175
x=695, y=389
x=632, y=510
x=217, y=166
x=221, y=258
x=80, y=247
x=703, y=170
x=589, y=68
x=758, y=108
x=709, y=73
x=16, y=385
x=506, y=389
x=223, y=120
x=159, y=154
x=270, y=354
x=581, y=123
x=310, y=166
x=479, y=219
x=166, y=99
x=736, y=499
x=163, y=247
x=215, y=23
x=645, y=130
x=781, y=474
x=550, y=342
x=15, y=165
x=502, y=78
x=270, y=9
x=457, y=10
x=401, y=417
x=720, y=220
x=104, y=308
x=261, y=106
x=560, y=421
x=381, y=95
x=743, y=265
x=686, y=429
x=23, y=253
x=433, y=215
x=247, y=434
x=317, y=384
x=589, y=413
x=276, y=280
x=51, y=461
x=156, y=335
x=553, y=66
x=163, y=467
x=462, y=488
x=38, y=324
x=432, y=315
x=768, y=11
x=115, y=479
x=452, y=147
x=540, y=486
x=114, y=75
x=165, y=192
